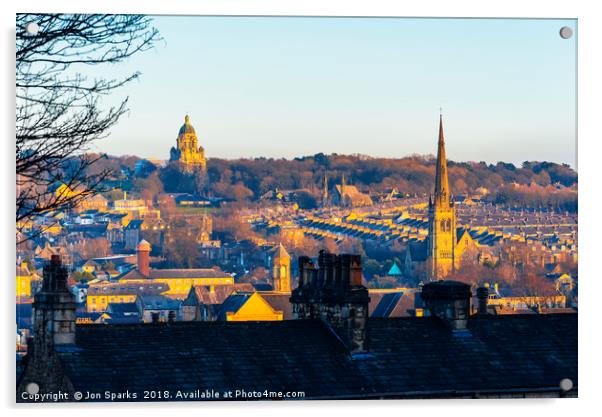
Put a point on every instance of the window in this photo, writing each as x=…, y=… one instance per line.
x=445, y=254
x=445, y=225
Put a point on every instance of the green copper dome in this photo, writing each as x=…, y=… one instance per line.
x=186, y=127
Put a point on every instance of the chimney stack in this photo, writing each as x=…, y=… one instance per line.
x=171, y=316
x=482, y=297
x=305, y=268
x=155, y=317
x=54, y=309
x=449, y=301
x=143, y=257
x=334, y=294
x=355, y=270
x=300, y=296
x=53, y=330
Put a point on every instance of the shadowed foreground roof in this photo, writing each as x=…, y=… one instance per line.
x=408, y=357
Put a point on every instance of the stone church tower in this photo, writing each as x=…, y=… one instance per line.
x=188, y=154
x=442, y=219
x=281, y=269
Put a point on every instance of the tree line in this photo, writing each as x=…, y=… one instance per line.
x=533, y=184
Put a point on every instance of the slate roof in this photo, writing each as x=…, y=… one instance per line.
x=262, y=286
x=123, y=313
x=127, y=288
x=202, y=294
x=279, y=302
x=408, y=357
x=124, y=319
x=232, y=304
x=90, y=229
x=114, y=216
x=122, y=308
x=177, y=273
x=391, y=304
x=158, y=302
x=134, y=224
x=117, y=260
x=131, y=274
x=387, y=304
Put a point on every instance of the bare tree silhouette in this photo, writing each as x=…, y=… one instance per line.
x=59, y=110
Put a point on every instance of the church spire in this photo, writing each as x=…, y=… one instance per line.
x=441, y=180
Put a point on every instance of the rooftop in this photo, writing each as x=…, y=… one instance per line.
x=408, y=357
x=176, y=274
x=186, y=127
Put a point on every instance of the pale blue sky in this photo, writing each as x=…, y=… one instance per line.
x=286, y=87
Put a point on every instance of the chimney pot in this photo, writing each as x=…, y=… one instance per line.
x=449, y=301
x=155, y=317
x=482, y=297
x=336, y=296
x=342, y=278
x=355, y=269
x=305, y=267
x=330, y=265
x=339, y=272
x=55, y=260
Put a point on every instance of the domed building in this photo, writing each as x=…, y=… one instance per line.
x=188, y=154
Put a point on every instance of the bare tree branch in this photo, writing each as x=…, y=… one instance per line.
x=59, y=111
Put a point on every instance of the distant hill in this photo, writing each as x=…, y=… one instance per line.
x=531, y=184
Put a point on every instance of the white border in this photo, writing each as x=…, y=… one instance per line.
x=590, y=136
